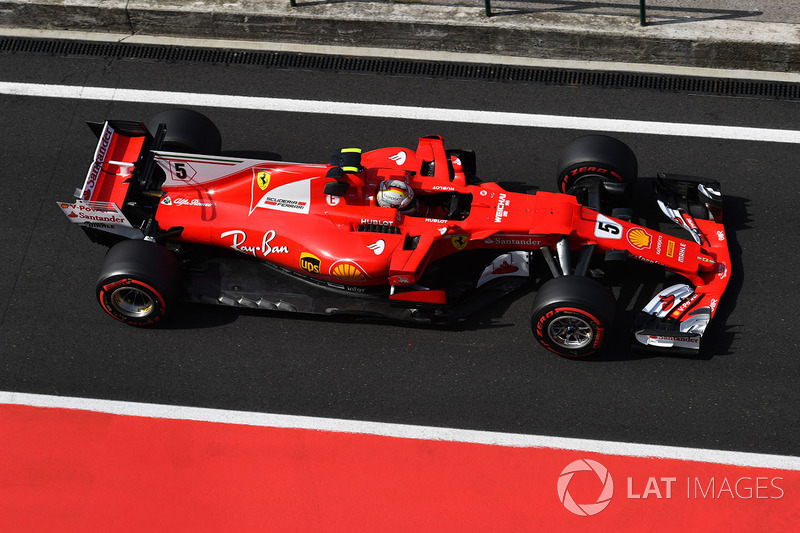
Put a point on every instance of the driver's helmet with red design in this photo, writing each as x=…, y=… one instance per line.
x=395, y=193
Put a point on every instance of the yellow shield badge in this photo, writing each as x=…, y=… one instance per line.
x=459, y=241
x=262, y=178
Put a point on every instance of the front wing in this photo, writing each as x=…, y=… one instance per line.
x=677, y=317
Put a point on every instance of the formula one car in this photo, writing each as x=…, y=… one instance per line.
x=186, y=224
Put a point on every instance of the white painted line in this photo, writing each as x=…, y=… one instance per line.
x=399, y=53
x=172, y=412
x=428, y=114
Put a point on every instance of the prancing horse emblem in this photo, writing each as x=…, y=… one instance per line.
x=263, y=180
x=459, y=241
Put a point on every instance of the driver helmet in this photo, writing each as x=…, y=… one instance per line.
x=394, y=193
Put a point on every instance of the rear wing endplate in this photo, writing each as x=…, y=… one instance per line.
x=120, y=147
x=103, y=216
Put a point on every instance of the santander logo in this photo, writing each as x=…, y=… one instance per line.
x=603, y=499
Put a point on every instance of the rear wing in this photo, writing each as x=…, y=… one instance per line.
x=112, y=180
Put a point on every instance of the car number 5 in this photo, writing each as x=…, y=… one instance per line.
x=180, y=171
x=607, y=228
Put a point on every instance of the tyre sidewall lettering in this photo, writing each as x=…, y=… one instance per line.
x=598, y=330
x=158, y=301
x=569, y=176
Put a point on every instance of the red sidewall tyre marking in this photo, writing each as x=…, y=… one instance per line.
x=598, y=331
x=575, y=173
x=158, y=301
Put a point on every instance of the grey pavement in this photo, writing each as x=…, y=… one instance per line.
x=733, y=34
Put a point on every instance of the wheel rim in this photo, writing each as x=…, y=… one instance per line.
x=132, y=302
x=570, y=332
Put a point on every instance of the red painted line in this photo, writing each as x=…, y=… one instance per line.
x=78, y=470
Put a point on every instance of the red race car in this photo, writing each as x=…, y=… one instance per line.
x=393, y=232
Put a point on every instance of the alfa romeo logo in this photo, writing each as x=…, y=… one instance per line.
x=591, y=508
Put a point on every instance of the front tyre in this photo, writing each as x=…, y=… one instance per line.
x=572, y=315
x=598, y=162
x=137, y=282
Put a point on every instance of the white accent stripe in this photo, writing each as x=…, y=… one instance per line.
x=172, y=412
x=403, y=112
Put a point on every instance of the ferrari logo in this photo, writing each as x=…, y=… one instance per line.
x=262, y=178
x=459, y=241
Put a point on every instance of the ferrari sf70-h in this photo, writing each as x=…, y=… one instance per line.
x=185, y=223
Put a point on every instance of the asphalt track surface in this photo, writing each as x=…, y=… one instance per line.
x=487, y=374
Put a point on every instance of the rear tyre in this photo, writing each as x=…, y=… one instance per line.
x=137, y=282
x=572, y=315
x=188, y=131
x=598, y=159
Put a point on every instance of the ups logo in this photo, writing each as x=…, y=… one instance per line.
x=309, y=263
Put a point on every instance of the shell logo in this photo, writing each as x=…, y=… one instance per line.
x=639, y=238
x=347, y=271
x=71, y=214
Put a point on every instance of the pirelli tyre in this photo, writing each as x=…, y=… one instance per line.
x=188, y=131
x=137, y=282
x=572, y=315
x=601, y=159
